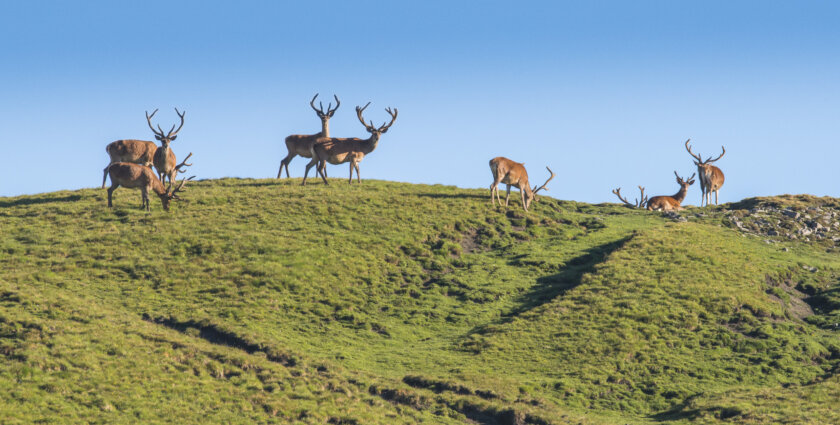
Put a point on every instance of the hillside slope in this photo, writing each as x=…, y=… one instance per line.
x=263, y=301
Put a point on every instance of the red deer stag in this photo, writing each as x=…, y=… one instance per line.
x=640, y=202
x=337, y=150
x=136, y=151
x=513, y=173
x=164, y=159
x=299, y=144
x=711, y=178
x=136, y=176
x=671, y=203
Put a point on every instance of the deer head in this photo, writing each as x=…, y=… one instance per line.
x=324, y=116
x=698, y=160
x=537, y=189
x=373, y=130
x=170, y=194
x=685, y=183
x=165, y=139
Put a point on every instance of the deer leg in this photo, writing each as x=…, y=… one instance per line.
x=716, y=197
x=358, y=175
x=105, y=175
x=507, y=197
x=351, y=172
x=305, y=173
x=110, y=192
x=285, y=163
x=145, y=192
x=492, y=191
x=322, y=169
x=522, y=195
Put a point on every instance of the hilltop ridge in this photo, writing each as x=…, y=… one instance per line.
x=263, y=301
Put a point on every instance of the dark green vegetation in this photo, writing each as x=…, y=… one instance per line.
x=261, y=301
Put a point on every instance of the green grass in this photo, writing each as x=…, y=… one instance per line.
x=263, y=301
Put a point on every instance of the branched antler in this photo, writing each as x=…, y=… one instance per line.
x=640, y=202
x=537, y=189
x=183, y=164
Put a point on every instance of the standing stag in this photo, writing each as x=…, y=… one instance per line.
x=299, y=144
x=640, y=202
x=513, y=173
x=671, y=203
x=136, y=176
x=711, y=178
x=164, y=158
x=337, y=150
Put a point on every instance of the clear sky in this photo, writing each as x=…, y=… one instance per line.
x=604, y=92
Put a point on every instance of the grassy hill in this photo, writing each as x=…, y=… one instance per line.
x=260, y=301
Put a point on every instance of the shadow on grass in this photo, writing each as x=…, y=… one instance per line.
x=550, y=287
x=451, y=196
x=40, y=200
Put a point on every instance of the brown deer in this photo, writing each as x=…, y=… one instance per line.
x=711, y=178
x=136, y=176
x=136, y=151
x=639, y=202
x=164, y=159
x=513, y=173
x=299, y=144
x=671, y=203
x=338, y=150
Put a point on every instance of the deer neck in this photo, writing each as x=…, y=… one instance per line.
x=680, y=196
x=157, y=187
x=370, y=143
x=325, y=128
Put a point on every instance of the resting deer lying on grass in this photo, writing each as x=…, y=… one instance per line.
x=513, y=173
x=671, y=203
x=136, y=176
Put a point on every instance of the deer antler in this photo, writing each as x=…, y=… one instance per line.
x=617, y=192
x=393, y=115
x=149, y=120
x=359, y=111
x=697, y=157
x=644, y=198
x=710, y=160
x=180, y=115
x=537, y=189
x=640, y=203
x=179, y=188
x=183, y=164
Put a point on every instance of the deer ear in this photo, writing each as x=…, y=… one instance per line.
x=173, y=137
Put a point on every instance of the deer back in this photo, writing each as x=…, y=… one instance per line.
x=128, y=150
x=509, y=172
x=663, y=203
x=337, y=150
x=301, y=144
x=133, y=175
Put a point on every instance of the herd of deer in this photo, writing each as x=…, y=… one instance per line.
x=132, y=161
x=711, y=179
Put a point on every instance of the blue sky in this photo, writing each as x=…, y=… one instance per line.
x=604, y=92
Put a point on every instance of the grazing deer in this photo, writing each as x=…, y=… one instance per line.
x=338, y=150
x=136, y=176
x=164, y=159
x=711, y=178
x=671, y=203
x=136, y=151
x=640, y=202
x=513, y=173
x=299, y=144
